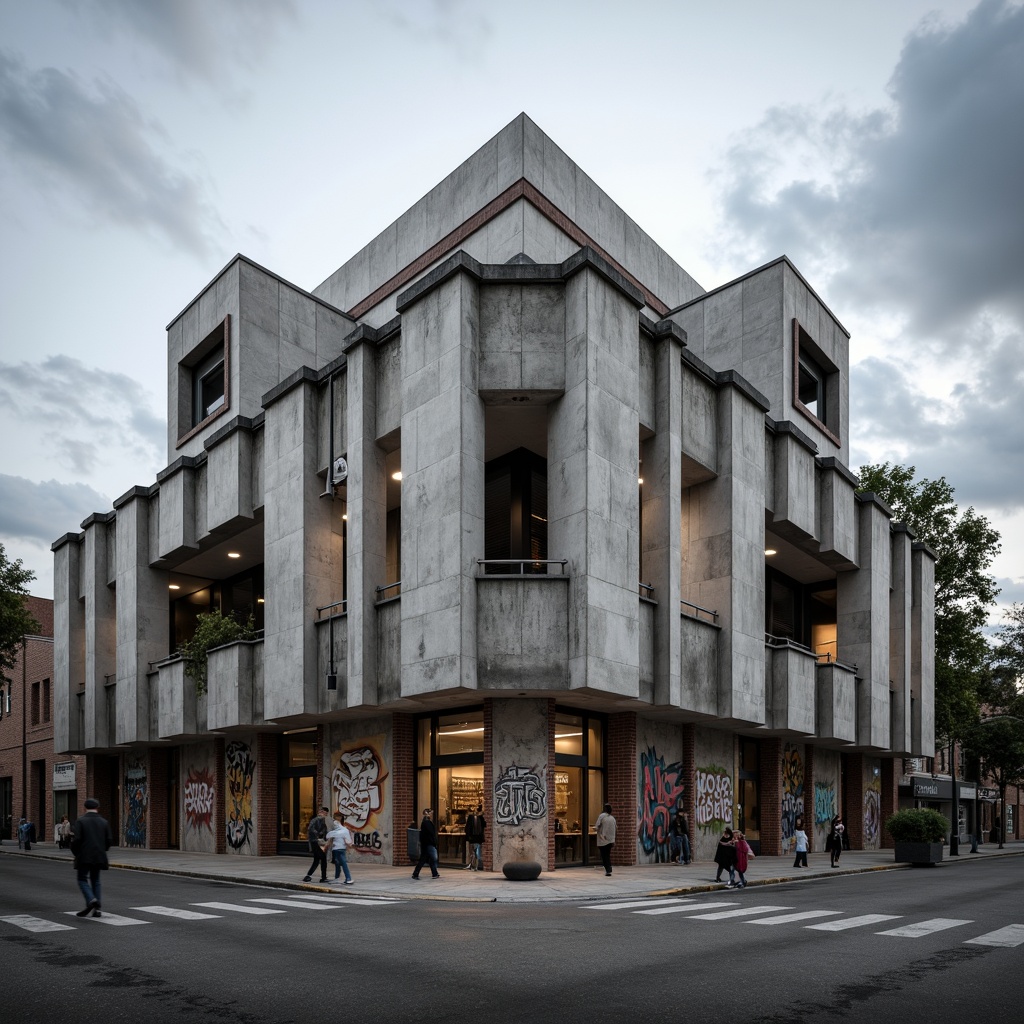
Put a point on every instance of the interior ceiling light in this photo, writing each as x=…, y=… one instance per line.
x=397, y=475
x=173, y=586
x=639, y=479
x=344, y=518
x=770, y=551
x=234, y=554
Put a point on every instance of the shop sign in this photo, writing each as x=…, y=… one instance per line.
x=934, y=789
x=64, y=775
x=968, y=792
x=987, y=793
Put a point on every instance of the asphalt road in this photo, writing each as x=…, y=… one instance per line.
x=890, y=946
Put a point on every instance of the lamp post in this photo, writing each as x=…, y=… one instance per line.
x=954, y=835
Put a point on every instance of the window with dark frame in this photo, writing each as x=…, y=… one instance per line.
x=46, y=700
x=815, y=383
x=204, y=388
x=208, y=387
x=35, y=704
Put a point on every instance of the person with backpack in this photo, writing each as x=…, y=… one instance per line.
x=475, y=826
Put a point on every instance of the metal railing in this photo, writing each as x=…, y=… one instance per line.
x=646, y=589
x=321, y=608
x=534, y=563
x=698, y=611
x=388, y=586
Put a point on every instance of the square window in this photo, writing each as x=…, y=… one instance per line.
x=815, y=383
x=208, y=387
x=204, y=382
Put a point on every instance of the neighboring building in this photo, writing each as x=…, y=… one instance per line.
x=524, y=517
x=34, y=783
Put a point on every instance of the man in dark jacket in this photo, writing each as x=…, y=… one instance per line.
x=428, y=846
x=90, y=842
x=317, y=835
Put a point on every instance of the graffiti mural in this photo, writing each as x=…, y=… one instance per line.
x=357, y=785
x=872, y=812
x=238, y=778
x=714, y=800
x=792, y=789
x=136, y=803
x=199, y=794
x=661, y=790
x=519, y=793
x=824, y=802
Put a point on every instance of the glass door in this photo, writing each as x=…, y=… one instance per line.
x=295, y=790
x=579, y=786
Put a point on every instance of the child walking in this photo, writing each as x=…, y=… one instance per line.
x=743, y=854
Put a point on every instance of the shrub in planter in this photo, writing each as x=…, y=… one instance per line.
x=212, y=630
x=917, y=825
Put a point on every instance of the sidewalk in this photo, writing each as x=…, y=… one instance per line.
x=587, y=883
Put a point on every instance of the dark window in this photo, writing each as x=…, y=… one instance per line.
x=815, y=382
x=811, y=386
x=208, y=387
x=240, y=596
x=516, y=511
x=35, y=703
x=46, y=700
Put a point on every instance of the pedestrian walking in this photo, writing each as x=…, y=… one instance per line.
x=90, y=839
x=339, y=839
x=62, y=833
x=428, y=846
x=316, y=833
x=26, y=834
x=834, y=842
x=605, y=829
x=744, y=854
x=800, y=841
x=681, y=837
x=475, y=827
x=725, y=857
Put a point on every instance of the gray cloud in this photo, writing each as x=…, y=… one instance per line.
x=85, y=415
x=96, y=143
x=42, y=512
x=975, y=438
x=918, y=210
x=457, y=25
x=198, y=38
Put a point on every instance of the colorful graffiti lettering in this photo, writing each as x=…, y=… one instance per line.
x=792, y=789
x=241, y=768
x=136, y=801
x=872, y=812
x=199, y=795
x=518, y=794
x=824, y=802
x=661, y=788
x=356, y=782
x=714, y=803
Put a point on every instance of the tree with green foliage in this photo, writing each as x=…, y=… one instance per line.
x=965, y=545
x=212, y=630
x=998, y=744
x=15, y=620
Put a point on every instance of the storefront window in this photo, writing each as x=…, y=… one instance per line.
x=461, y=733
x=295, y=784
x=579, y=785
x=748, y=806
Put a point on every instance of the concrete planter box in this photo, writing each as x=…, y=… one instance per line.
x=919, y=853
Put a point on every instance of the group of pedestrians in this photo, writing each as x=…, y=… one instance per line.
x=733, y=855
x=328, y=837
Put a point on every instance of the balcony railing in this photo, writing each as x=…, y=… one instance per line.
x=341, y=605
x=536, y=566
x=695, y=611
x=382, y=590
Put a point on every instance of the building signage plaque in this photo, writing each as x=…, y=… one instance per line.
x=935, y=789
x=64, y=775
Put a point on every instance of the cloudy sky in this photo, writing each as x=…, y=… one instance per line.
x=879, y=145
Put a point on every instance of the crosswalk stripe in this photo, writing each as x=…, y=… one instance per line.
x=675, y=910
x=675, y=901
x=114, y=920
x=297, y=903
x=724, y=915
x=804, y=915
x=915, y=931
x=1010, y=936
x=238, y=908
x=184, y=915
x=853, y=922
x=36, y=924
x=359, y=901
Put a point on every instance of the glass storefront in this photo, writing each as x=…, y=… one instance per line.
x=579, y=786
x=295, y=797
x=748, y=804
x=450, y=776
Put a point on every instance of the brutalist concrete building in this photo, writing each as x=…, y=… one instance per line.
x=524, y=517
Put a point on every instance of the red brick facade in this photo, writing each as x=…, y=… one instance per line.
x=770, y=768
x=403, y=780
x=621, y=783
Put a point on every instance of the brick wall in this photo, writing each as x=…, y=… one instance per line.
x=809, y=796
x=853, y=800
x=890, y=796
x=689, y=732
x=551, y=786
x=158, y=775
x=770, y=768
x=403, y=780
x=621, y=781
x=220, y=810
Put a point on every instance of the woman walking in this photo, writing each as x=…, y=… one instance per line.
x=725, y=857
x=834, y=843
x=681, y=837
x=800, y=842
x=744, y=854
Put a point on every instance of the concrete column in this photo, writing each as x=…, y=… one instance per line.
x=593, y=456
x=367, y=522
x=922, y=657
x=100, y=630
x=442, y=487
x=303, y=549
x=726, y=555
x=662, y=512
x=899, y=638
x=862, y=613
x=68, y=643
x=141, y=616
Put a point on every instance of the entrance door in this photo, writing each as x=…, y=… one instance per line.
x=748, y=806
x=295, y=790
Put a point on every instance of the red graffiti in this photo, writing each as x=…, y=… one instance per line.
x=199, y=797
x=661, y=788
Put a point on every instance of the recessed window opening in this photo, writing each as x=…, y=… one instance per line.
x=208, y=387
x=811, y=386
x=204, y=382
x=815, y=382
